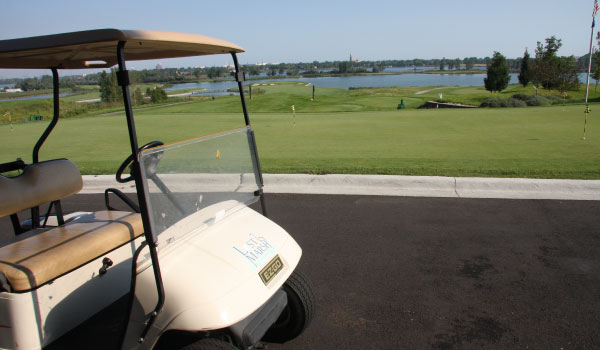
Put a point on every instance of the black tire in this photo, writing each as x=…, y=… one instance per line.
x=209, y=344
x=298, y=313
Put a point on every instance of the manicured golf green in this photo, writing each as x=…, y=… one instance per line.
x=543, y=142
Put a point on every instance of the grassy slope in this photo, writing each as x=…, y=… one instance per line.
x=281, y=96
x=522, y=142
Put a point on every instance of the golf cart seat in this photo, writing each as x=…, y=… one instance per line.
x=29, y=260
x=39, y=184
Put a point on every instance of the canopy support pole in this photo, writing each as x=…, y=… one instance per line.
x=123, y=78
x=240, y=77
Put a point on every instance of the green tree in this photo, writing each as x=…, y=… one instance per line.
x=442, y=63
x=157, y=94
x=138, y=97
x=109, y=89
x=497, y=74
x=566, y=78
x=343, y=67
x=469, y=62
x=596, y=67
x=292, y=71
x=545, y=65
x=525, y=73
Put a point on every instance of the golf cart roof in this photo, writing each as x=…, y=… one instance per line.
x=97, y=48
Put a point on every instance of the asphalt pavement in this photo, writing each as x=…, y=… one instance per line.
x=394, y=272
x=447, y=273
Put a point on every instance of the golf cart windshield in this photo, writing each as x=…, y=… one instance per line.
x=208, y=177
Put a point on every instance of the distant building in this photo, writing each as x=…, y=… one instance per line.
x=159, y=66
x=13, y=90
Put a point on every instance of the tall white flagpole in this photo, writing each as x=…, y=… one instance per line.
x=587, y=85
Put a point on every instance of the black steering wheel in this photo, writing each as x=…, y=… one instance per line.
x=129, y=159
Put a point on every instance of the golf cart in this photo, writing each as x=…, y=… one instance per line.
x=190, y=263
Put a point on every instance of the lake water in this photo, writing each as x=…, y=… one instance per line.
x=407, y=79
x=36, y=97
x=400, y=80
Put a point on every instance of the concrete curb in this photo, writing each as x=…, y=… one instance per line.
x=408, y=186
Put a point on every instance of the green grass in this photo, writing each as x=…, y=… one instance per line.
x=278, y=97
x=542, y=142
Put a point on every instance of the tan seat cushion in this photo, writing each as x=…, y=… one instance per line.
x=31, y=262
x=40, y=183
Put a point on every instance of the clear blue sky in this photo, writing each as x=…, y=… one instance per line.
x=309, y=30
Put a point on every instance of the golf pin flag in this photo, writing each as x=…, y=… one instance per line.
x=218, y=154
x=596, y=7
x=294, y=111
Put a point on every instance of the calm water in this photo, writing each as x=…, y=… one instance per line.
x=37, y=97
x=408, y=79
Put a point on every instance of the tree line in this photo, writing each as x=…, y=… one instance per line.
x=315, y=68
x=546, y=69
x=110, y=91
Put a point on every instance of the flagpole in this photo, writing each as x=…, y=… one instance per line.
x=587, y=85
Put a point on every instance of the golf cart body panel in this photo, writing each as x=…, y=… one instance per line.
x=222, y=264
x=226, y=286
x=38, y=317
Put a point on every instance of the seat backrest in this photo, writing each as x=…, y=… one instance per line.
x=40, y=183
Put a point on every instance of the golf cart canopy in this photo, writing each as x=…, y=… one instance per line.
x=96, y=48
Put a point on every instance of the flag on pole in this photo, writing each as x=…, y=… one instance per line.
x=596, y=8
x=587, y=85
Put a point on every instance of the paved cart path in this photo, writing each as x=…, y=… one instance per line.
x=441, y=273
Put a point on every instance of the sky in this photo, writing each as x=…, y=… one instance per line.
x=310, y=30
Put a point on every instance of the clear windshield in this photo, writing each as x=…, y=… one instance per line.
x=216, y=174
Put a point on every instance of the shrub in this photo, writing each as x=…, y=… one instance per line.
x=513, y=102
x=520, y=96
x=538, y=101
x=495, y=102
x=554, y=99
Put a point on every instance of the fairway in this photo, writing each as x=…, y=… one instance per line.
x=539, y=142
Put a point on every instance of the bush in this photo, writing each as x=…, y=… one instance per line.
x=157, y=94
x=495, y=102
x=537, y=100
x=520, y=96
x=554, y=99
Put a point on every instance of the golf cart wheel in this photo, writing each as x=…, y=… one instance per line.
x=297, y=314
x=210, y=344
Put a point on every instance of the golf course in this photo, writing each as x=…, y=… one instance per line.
x=356, y=131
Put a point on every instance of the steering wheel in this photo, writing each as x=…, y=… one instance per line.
x=129, y=159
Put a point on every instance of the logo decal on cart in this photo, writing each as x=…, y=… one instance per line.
x=256, y=250
x=271, y=270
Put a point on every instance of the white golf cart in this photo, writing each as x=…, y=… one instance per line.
x=190, y=266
